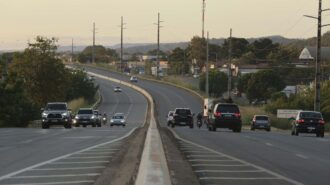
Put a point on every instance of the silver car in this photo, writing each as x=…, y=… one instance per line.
x=261, y=122
x=118, y=119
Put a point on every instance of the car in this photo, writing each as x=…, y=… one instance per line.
x=84, y=117
x=308, y=122
x=118, y=119
x=182, y=117
x=56, y=113
x=170, y=118
x=134, y=79
x=224, y=115
x=117, y=89
x=261, y=122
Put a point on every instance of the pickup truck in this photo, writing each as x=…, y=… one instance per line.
x=56, y=113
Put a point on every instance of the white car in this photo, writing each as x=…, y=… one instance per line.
x=133, y=79
x=117, y=89
x=118, y=119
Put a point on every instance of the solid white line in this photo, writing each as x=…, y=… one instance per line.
x=103, y=150
x=269, y=144
x=64, y=156
x=77, y=168
x=302, y=156
x=53, y=176
x=211, y=160
x=200, y=152
x=241, y=178
x=75, y=162
x=229, y=171
x=94, y=153
x=239, y=160
x=95, y=157
x=56, y=183
x=228, y=165
x=192, y=156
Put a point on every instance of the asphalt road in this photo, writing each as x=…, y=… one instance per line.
x=69, y=156
x=250, y=158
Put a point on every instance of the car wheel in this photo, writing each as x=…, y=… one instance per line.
x=124, y=125
x=45, y=126
x=84, y=125
x=173, y=125
x=99, y=125
x=111, y=125
x=94, y=125
x=214, y=129
x=252, y=128
x=191, y=126
x=77, y=125
x=210, y=129
x=268, y=129
x=296, y=132
x=322, y=134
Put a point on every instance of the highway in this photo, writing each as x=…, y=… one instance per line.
x=247, y=158
x=32, y=156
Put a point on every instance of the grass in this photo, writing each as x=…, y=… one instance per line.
x=248, y=112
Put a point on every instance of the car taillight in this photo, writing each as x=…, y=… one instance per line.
x=238, y=115
x=301, y=121
x=217, y=114
x=322, y=122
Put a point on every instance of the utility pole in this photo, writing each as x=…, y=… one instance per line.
x=207, y=67
x=72, y=51
x=93, y=48
x=158, y=42
x=203, y=18
x=229, y=65
x=317, y=96
x=121, y=42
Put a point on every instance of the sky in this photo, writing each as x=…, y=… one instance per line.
x=23, y=20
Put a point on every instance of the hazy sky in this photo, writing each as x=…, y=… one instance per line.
x=22, y=20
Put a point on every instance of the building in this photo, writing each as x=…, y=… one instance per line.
x=308, y=55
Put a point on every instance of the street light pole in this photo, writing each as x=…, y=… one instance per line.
x=229, y=65
x=207, y=67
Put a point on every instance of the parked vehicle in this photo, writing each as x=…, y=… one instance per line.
x=261, y=122
x=118, y=119
x=134, y=79
x=183, y=117
x=225, y=115
x=117, y=89
x=84, y=117
x=170, y=118
x=308, y=122
x=56, y=113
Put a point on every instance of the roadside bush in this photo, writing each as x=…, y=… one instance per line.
x=217, y=83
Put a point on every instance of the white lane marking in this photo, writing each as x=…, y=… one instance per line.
x=193, y=156
x=211, y=160
x=77, y=168
x=94, y=157
x=82, y=137
x=64, y=156
x=240, y=178
x=200, y=152
x=302, y=156
x=56, y=183
x=27, y=141
x=228, y=171
x=54, y=176
x=117, y=130
x=94, y=153
x=269, y=144
x=81, y=162
x=218, y=165
x=239, y=160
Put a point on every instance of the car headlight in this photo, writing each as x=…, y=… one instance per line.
x=77, y=117
x=122, y=121
x=44, y=114
x=111, y=120
x=65, y=114
x=93, y=117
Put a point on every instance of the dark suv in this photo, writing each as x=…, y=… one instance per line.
x=183, y=117
x=225, y=115
x=308, y=122
x=56, y=113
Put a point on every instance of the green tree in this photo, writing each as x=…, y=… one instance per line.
x=217, y=83
x=239, y=47
x=242, y=82
x=264, y=83
x=102, y=54
x=44, y=76
x=178, y=61
x=198, y=51
x=263, y=47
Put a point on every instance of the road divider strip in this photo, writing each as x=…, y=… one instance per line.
x=153, y=169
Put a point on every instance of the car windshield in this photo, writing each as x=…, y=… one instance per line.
x=228, y=109
x=264, y=118
x=183, y=111
x=314, y=115
x=56, y=107
x=118, y=117
x=85, y=112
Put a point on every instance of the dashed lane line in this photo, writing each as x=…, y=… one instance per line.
x=56, y=183
x=81, y=162
x=77, y=168
x=54, y=176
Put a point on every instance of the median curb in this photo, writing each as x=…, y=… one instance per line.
x=153, y=169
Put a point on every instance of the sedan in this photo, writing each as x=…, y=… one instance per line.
x=118, y=119
x=308, y=122
x=260, y=122
x=117, y=89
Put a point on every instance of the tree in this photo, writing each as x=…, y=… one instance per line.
x=239, y=47
x=248, y=58
x=198, y=50
x=264, y=83
x=263, y=47
x=217, y=83
x=242, y=82
x=177, y=61
x=44, y=76
x=102, y=54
